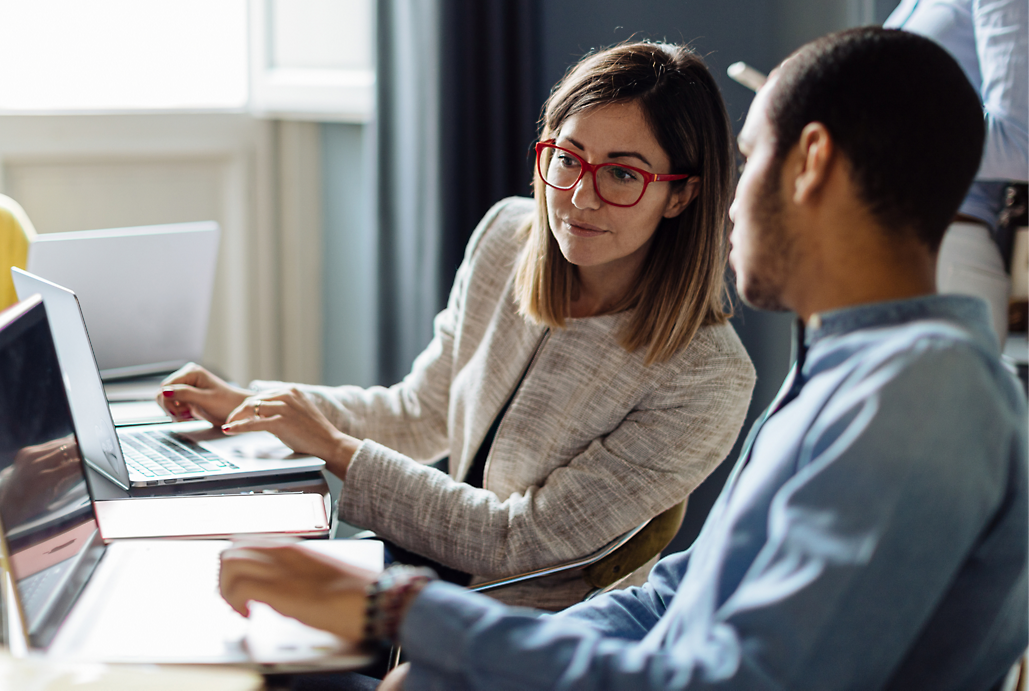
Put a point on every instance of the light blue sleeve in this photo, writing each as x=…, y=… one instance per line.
x=896, y=485
x=1001, y=29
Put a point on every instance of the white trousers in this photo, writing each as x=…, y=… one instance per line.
x=970, y=264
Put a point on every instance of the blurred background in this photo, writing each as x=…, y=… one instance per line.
x=346, y=147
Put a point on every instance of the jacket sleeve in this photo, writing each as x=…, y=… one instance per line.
x=654, y=458
x=409, y=417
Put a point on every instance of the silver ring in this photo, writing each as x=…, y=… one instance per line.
x=257, y=409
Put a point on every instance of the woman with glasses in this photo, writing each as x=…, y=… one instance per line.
x=583, y=377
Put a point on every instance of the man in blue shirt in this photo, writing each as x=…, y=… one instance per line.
x=874, y=531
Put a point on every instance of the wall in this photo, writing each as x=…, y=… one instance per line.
x=350, y=256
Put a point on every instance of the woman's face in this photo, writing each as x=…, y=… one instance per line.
x=594, y=234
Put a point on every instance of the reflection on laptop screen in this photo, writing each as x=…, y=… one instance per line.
x=50, y=533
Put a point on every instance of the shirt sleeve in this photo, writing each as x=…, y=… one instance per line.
x=896, y=487
x=1001, y=28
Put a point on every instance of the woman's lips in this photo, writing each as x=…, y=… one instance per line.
x=583, y=230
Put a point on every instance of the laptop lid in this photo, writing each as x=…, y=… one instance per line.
x=48, y=531
x=145, y=291
x=250, y=455
x=98, y=440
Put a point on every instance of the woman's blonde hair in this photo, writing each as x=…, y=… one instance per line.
x=681, y=285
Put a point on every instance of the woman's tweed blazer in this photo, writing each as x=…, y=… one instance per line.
x=593, y=444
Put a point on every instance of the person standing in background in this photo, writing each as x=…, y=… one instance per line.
x=988, y=39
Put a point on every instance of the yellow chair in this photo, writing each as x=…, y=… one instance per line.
x=16, y=234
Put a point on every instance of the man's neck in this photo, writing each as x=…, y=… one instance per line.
x=865, y=268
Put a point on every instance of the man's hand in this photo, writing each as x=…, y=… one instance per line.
x=193, y=392
x=300, y=425
x=298, y=583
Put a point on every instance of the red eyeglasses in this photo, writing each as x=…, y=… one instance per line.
x=616, y=184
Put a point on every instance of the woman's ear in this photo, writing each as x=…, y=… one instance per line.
x=681, y=198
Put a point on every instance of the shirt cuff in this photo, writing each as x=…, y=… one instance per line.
x=437, y=622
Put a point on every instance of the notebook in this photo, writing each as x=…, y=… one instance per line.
x=136, y=601
x=146, y=455
x=126, y=276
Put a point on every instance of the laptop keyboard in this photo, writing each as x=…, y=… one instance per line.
x=36, y=589
x=153, y=453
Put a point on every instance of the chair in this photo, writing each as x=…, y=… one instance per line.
x=604, y=569
x=16, y=233
x=608, y=566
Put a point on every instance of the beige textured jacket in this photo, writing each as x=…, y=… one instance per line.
x=593, y=444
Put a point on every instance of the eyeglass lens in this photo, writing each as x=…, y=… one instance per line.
x=615, y=184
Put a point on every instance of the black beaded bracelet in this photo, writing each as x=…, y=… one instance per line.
x=387, y=600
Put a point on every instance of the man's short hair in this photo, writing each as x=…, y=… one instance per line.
x=902, y=112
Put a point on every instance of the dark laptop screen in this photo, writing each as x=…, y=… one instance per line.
x=50, y=532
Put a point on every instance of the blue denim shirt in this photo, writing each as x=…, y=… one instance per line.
x=873, y=536
x=988, y=38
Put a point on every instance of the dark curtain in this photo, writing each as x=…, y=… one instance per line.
x=456, y=116
x=491, y=69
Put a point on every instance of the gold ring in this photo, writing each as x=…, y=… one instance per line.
x=257, y=409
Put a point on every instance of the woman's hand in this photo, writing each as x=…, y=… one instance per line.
x=301, y=426
x=193, y=392
x=297, y=583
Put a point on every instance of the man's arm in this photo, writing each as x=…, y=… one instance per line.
x=896, y=491
x=916, y=470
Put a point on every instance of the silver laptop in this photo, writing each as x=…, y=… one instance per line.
x=146, y=455
x=122, y=276
x=133, y=601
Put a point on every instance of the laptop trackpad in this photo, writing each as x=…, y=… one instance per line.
x=263, y=445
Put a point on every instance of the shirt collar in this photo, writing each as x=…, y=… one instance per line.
x=971, y=313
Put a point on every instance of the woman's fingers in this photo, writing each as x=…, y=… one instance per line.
x=195, y=392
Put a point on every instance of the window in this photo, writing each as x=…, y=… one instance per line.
x=311, y=59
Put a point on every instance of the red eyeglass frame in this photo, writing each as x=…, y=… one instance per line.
x=647, y=176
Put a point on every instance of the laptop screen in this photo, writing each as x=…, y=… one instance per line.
x=141, y=320
x=98, y=440
x=50, y=535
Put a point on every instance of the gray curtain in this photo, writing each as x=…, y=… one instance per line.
x=408, y=180
x=457, y=89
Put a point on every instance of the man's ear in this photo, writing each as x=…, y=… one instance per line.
x=681, y=198
x=816, y=156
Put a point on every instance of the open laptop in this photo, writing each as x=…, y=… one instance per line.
x=126, y=276
x=134, y=601
x=146, y=455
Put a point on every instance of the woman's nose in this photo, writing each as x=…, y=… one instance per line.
x=584, y=195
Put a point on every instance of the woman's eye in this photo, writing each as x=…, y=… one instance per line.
x=567, y=160
x=622, y=174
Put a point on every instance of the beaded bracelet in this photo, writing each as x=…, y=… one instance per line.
x=388, y=598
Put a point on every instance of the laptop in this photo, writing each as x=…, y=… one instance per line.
x=147, y=455
x=122, y=277
x=136, y=601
